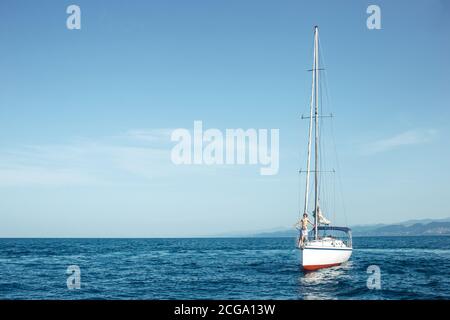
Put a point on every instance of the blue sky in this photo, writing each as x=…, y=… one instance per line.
x=86, y=115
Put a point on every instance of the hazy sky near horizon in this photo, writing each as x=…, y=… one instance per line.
x=86, y=115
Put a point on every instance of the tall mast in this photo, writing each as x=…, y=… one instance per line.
x=308, y=163
x=316, y=131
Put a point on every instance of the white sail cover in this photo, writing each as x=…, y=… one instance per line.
x=322, y=219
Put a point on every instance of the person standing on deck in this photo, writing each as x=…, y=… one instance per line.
x=303, y=224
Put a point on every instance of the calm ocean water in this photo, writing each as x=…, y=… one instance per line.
x=234, y=268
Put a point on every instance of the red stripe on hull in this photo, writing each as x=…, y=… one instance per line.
x=319, y=266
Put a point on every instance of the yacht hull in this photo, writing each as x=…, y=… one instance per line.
x=314, y=257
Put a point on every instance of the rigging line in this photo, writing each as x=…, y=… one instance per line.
x=334, y=198
x=310, y=190
x=299, y=202
x=324, y=195
x=327, y=108
x=303, y=155
x=339, y=174
x=325, y=183
x=326, y=103
x=322, y=150
x=341, y=188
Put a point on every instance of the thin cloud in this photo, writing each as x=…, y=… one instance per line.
x=152, y=135
x=407, y=138
x=41, y=176
x=103, y=161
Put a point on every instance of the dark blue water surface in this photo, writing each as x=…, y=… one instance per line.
x=220, y=268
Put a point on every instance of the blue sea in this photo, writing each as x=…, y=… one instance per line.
x=220, y=268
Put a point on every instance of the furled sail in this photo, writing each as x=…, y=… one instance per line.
x=322, y=219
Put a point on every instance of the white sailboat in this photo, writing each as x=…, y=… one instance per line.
x=323, y=248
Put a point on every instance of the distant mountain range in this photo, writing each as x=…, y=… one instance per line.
x=417, y=228
x=425, y=227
